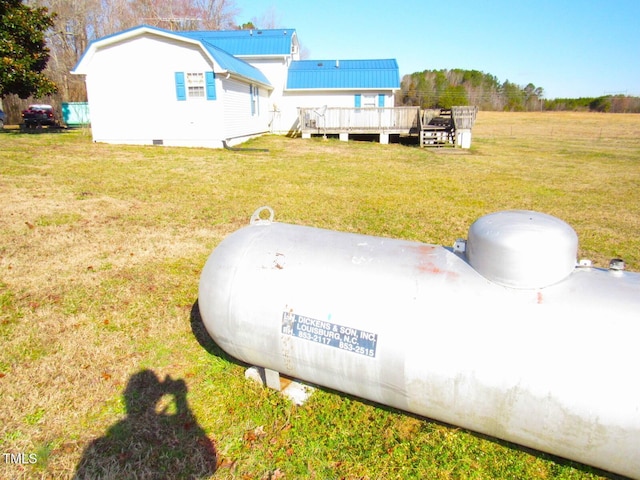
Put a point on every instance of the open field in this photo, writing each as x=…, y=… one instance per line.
x=101, y=249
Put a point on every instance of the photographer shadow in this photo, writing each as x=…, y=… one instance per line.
x=159, y=438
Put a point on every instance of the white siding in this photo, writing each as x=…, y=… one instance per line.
x=291, y=101
x=275, y=69
x=132, y=95
x=239, y=122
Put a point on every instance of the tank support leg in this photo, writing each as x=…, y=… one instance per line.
x=272, y=379
x=292, y=389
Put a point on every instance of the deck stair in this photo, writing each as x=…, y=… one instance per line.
x=436, y=128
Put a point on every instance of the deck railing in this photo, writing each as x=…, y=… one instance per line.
x=359, y=120
x=464, y=117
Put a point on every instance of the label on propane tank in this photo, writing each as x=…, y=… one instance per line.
x=330, y=334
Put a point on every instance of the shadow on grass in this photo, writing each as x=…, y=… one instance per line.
x=159, y=438
x=202, y=336
x=204, y=339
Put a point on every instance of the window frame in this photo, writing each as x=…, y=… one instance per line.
x=195, y=85
x=254, y=97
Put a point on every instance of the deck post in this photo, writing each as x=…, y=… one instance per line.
x=344, y=137
x=272, y=378
x=463, y=138
x=463, y=120
x=384, y=138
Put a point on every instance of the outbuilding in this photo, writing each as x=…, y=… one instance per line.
x=152, y=86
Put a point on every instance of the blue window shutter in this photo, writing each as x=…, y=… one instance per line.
x=381, y=100
x=358, y=100
x=181, y=91
x=253, y=107
x=257, y=92
x=210, y=82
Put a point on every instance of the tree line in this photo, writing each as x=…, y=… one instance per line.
x=446, y=88
x=605, y=104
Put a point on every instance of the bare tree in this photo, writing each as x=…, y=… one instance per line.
x=77, y=23
x=184, y=14
x=217, y=14
x=67, y=40
x=269, y=19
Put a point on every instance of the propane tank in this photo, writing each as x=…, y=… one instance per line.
x=503, y=334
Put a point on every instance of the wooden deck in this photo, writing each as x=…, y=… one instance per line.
x=332, y=120
x=434, y=127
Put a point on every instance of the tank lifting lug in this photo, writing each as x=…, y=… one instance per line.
x=256, y=218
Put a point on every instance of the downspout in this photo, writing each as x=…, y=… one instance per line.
x=237, y=149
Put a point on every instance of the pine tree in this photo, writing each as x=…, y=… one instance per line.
x=23, y=51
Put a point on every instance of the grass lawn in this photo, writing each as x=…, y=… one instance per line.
x=104, y=365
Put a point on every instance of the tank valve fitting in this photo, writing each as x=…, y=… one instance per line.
x=460, y=245
x=617, y=264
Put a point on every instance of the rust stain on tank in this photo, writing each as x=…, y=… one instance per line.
x=426, y=249
x=430, y=267
x=426, y=265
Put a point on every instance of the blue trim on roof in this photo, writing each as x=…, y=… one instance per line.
x=343, y=74
x=225, y=59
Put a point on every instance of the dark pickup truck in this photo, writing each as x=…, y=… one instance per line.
x=38, y=115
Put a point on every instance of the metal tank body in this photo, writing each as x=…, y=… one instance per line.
x=504, y=334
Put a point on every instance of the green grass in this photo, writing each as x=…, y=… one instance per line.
x=101, y=248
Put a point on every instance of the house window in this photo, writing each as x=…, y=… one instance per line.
x=369, y=101
x=254, y=93
x=195, y=85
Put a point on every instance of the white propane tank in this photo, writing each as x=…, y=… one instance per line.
x=503, y=334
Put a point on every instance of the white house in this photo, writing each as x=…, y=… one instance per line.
x=351, y=95
x=147, y=85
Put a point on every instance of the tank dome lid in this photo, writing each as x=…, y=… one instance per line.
x=522, y=249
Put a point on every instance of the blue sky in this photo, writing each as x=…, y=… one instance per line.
x=570, y=48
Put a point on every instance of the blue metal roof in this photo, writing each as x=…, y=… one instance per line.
x=235, y=65
x=247, y=42
x=343, y=74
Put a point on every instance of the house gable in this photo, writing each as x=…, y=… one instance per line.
x=226, y=63
x=153, y=87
